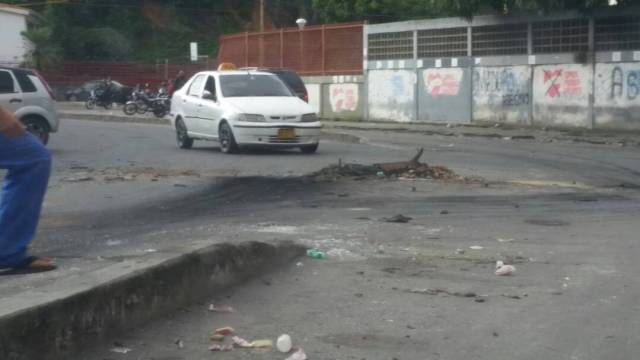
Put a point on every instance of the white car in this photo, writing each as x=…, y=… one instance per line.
x=243, y=109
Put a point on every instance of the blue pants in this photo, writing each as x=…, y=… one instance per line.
x=29, y=164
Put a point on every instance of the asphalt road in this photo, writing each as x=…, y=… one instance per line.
x=557, y=211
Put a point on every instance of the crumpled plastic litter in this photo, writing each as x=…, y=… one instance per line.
x=120, y=350
x=298, y=355
x=504, y=270
x=261, y=344
x=218, y=347
x=284, y=343
x=240, y=342
x=224, y=331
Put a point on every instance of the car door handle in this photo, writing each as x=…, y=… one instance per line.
x=15, y=101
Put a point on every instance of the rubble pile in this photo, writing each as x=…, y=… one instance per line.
x=412, y=169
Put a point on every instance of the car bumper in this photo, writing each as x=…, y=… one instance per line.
x=259, y=134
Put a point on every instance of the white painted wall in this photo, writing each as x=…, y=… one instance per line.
x=391, y=95
x=561, y=94
x=13, y=47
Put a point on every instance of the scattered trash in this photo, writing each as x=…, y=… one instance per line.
x=480, y=300
x=316, y=254
x=298, y=355
x=299, y=264
x=79, y=179
x=411, y=169
x=504, y=270
x=224, y=331
x=216, y=337
x=120, y=350
x=221, y=308
x=444, y=212
x=284, y=343
x=476, y=247
x=179, y=343
x=218, y=347
x=466, y=294
x=151, y=251
x=460, y=251
x=511, y=296
x=259, y=344
x=240, y=342
x=401, y=219
x=505, y=240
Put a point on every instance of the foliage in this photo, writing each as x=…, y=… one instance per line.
x=154, y=30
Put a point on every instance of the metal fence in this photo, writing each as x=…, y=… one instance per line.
x=316, y=50
x=504, y=36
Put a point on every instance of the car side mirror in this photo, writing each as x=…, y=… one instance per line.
x=208, y=95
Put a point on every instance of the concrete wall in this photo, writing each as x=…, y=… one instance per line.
x=14, y=47
x=617, y=95
x=561, y=95
x=391, y=95
x=502, y=93
x=444, y=95
x=337, y=97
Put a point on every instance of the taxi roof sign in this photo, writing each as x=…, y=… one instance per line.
x=226, y=66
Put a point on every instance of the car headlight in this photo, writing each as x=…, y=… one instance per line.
x=309, y=118
x=251, y=118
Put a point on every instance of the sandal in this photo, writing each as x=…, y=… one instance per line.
x=31, y=265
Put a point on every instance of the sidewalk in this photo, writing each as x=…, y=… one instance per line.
x=76, y=111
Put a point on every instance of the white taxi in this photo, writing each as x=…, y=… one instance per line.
x=243, y=109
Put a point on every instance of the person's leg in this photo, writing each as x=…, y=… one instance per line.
x=29, y=164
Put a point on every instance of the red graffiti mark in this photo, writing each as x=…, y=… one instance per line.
x=443, y=84
x=553, y=89
x=572, y=84
x=344, y=99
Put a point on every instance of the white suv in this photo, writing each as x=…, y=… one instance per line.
x=243, y=109
x=27, y=94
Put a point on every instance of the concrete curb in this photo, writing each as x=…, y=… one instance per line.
x=59, y=328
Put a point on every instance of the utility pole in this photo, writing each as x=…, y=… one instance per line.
x=261, y=15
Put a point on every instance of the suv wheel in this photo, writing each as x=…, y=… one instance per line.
x=38, y=127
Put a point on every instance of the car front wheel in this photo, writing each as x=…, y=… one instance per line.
x=228, y=143
x=184, y=141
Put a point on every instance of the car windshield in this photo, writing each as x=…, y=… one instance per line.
x=244, y=85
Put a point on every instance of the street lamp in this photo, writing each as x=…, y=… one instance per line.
x=301, y=24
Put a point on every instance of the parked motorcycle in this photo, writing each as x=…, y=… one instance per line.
x=101, y=96
x=141, y=103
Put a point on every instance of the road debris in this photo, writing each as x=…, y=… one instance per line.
x=466, y=294
x=120, y=350
x=298, y=355
x=412, y=169
x=221, y=308
x=460, y=251
x=316, y=254
x=284, y=343
x=224, y=331
x=241, y=343
x=78, y=179
x=505, y=240
x=179, y=343
x=218, y=347
x=401, y=219
x=476, y=247
x=217, y=337
x=504, y=270
x=261, y=344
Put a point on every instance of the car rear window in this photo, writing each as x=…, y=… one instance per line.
x=243, y=85
x=292, y=80
x=26, y=84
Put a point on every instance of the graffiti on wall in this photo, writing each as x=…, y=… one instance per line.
x=502, y=86
x=443, y=82
x=561, y=82
x=625, y=83
x=391, y=94
x=343, y=97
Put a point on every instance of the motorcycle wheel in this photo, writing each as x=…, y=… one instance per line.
x=130, y=108
x=90, y=104
x=142, y=107
x=160, y=111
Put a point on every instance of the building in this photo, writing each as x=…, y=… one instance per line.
x=14, y=48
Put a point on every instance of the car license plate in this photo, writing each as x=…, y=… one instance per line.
x=286, y=134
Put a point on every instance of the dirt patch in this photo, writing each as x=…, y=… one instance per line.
x=118, y=174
